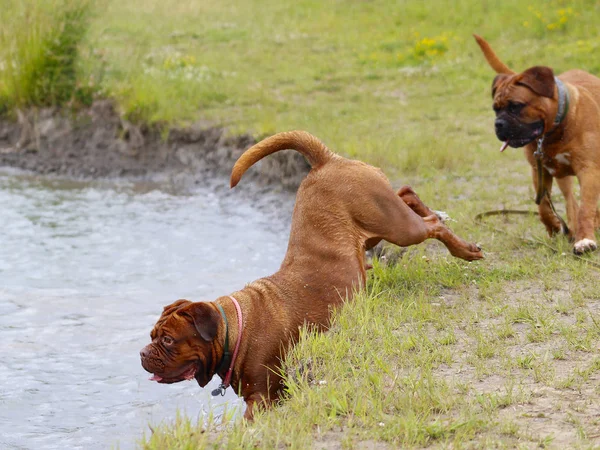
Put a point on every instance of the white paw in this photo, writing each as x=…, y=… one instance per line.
x=584, y=245
x=443, y=216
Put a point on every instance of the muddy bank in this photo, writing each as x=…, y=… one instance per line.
x=98, y=143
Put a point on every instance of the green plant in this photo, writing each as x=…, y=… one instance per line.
x=40, y=48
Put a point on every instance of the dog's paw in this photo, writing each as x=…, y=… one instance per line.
x=467, y=251
x=584, y=245
x=477, y=252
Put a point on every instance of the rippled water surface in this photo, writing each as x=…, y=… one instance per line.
x=85, y=270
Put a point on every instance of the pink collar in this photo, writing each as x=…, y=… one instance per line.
x=226, y=383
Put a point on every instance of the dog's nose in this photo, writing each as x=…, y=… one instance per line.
x=144, y=352
x=502, y=129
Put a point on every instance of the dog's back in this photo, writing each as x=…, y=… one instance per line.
x=333, y=203
x=585, y=80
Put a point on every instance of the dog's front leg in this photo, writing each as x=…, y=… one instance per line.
x=585, y=240
x=255, y=402
x=547, y=216
x=436, y=228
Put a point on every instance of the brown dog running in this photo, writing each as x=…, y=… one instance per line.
x=560, y=116
x=343, y=207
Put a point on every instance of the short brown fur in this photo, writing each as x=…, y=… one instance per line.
x=570, y=149
x=343, y=207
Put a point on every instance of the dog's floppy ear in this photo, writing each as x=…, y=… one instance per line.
x=206, y=318
x=539, y=79
x=497, y=80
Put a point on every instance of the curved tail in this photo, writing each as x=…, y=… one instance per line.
x=491, y=57
x=315, y=152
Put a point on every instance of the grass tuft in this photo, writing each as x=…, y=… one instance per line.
x=39, y=52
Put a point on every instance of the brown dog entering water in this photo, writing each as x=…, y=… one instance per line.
x=564, y=113
x=343, y=207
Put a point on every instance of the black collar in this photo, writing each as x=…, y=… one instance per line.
x=563, y=102
x=563, y=108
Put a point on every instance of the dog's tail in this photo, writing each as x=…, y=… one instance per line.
x=315, y=152
x=491, y=57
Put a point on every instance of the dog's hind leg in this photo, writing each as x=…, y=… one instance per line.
x=585, y=240
x=403, y=219
x=566, y=187
x=455, y=245
x=410, y=197
x=453, y=242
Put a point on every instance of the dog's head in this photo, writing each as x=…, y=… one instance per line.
x=525, y=103
x=183, y=343
x=522, y=103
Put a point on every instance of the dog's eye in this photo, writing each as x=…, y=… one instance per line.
x=167, y=340
x=515, y=108
x=496, y=108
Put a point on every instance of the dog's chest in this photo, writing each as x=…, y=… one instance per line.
x=558, y=164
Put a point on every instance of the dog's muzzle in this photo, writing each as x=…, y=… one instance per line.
x=515, y=133
x=151, y=361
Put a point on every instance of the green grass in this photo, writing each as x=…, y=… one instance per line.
x=39, y=52
x=436, y=352
x=400, y=84
x=387, y=373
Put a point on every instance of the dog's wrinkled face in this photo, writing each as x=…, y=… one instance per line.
x=182, y=346
x=524, y=105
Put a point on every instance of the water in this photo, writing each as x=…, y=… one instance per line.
x=85, y=270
